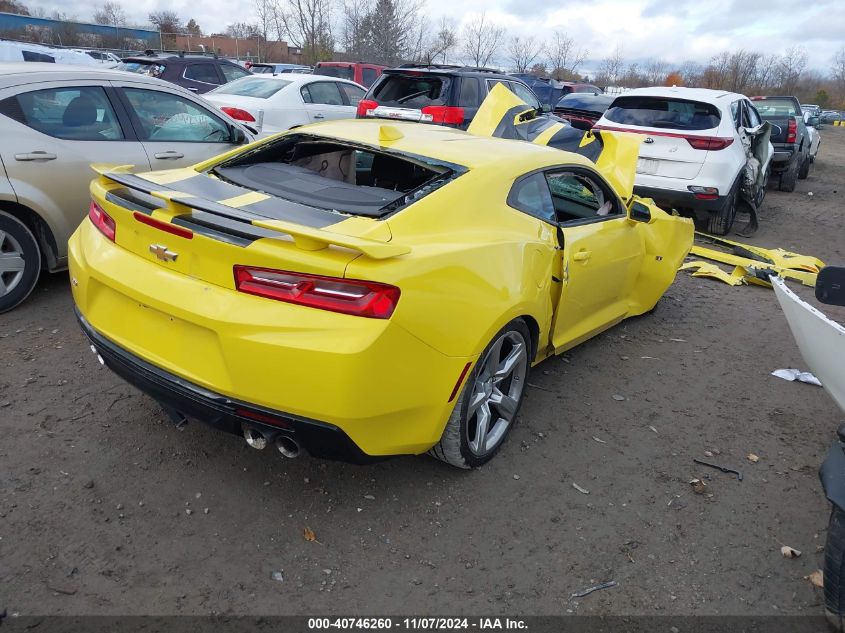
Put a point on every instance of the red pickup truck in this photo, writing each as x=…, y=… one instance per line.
x=359, y=72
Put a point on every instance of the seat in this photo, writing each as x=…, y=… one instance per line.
x=79, y=119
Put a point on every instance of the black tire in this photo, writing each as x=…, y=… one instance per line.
x=834, y=569
x=789, y=178
x=17, y=246
x=721, y=221
x=804, y=171
x=456, y=444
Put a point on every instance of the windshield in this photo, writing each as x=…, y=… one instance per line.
x=663, y=112
x=342, y=72
x=150, y=69
x=258, y=87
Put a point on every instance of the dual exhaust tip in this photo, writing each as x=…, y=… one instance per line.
x=259, y=440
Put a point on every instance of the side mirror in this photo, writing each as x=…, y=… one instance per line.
x=237, y=137
x=830, y=285
x=639, y=213
x=813, y=121
x=545, y=108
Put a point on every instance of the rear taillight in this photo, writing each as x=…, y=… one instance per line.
x=349, y=296
x=709, y=142
x=791, y=131
x=365, y=106
x=238, y=114
x=449, y=115
x=102, y=220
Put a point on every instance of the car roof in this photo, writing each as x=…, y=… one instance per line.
x=446, y=69
x=449, y=145
x=297, y=78
x=42, y=71
x=682, y=92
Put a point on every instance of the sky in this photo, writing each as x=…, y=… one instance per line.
x=673, y=30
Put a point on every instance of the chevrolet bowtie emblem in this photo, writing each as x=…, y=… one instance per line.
x=160, y=251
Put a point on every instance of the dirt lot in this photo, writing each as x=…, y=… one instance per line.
x=96, y=485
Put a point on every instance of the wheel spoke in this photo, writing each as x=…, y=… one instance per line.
x=492, y=362
x=3, y=288
x=477, y=398
x=482, y=425
x=11, y=263
x=505, y=404
x=505, y=368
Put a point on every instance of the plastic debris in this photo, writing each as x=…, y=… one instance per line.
x=817, y=578
x=277, y=576
x=751, y=457
x=583, y=491
x=789, y=552
x=797, y=374
x=589, y=590
x=618, y=397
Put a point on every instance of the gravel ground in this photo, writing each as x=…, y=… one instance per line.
x=106, y=508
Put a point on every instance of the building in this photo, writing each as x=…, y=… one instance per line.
x=64, y=33
x=250, y=48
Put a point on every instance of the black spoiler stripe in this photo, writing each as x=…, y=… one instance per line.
x=209, y=189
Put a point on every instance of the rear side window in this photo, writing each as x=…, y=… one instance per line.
x=163, y=116
x=413, y=91
x=29, y=56
x=368, y=76
x=469, y=92
x=149, y=69
x=322, y=92
x=353, y=93
x=342, y=72
x=531, y=195
x=258, y=87
x=77, y=114
x=260, y=70
x=231, y=72
x=662, y=112
x=206, y=73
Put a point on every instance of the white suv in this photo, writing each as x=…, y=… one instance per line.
x=705, y=153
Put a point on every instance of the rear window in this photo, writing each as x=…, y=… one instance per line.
x=412, y=91
x=258, y=87
x=333, y=175
x=342, y=72
x=150, y=69
x=260, y=70
x=662, y=112
x=580, y=101
x=776, y=107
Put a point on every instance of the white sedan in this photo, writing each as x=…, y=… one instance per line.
x=275, y=103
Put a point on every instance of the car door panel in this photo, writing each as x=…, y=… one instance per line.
x=598, y=263
x=51, y=174
x=174, y=130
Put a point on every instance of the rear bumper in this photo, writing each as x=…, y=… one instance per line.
x=226, y=414
x=384, y=388
x=670, y=199
x=782, y=157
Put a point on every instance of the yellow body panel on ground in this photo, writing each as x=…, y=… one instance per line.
x=466, y=264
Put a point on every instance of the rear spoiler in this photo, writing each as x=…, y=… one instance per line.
x=304, y=237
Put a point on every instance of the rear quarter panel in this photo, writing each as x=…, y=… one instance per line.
x=475, y=265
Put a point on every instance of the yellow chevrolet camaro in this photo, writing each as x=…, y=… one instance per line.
x=366, y=288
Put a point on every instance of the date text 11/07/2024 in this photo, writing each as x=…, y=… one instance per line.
x=422, y=624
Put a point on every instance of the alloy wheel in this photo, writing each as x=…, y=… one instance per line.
x=12, y=263
x=496, y=392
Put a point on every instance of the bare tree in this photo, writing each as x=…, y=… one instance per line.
x=13, y=6
x=355, y=28
x=306, y=24
x=838, y=72
x=792, y=64
x=610, y=70
x=193, y=28
x=481, y=39
x=168, y=24
x=742, y=68
x=564, y=56
x=111, y=13
x=522, y=52
x=655, y=72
